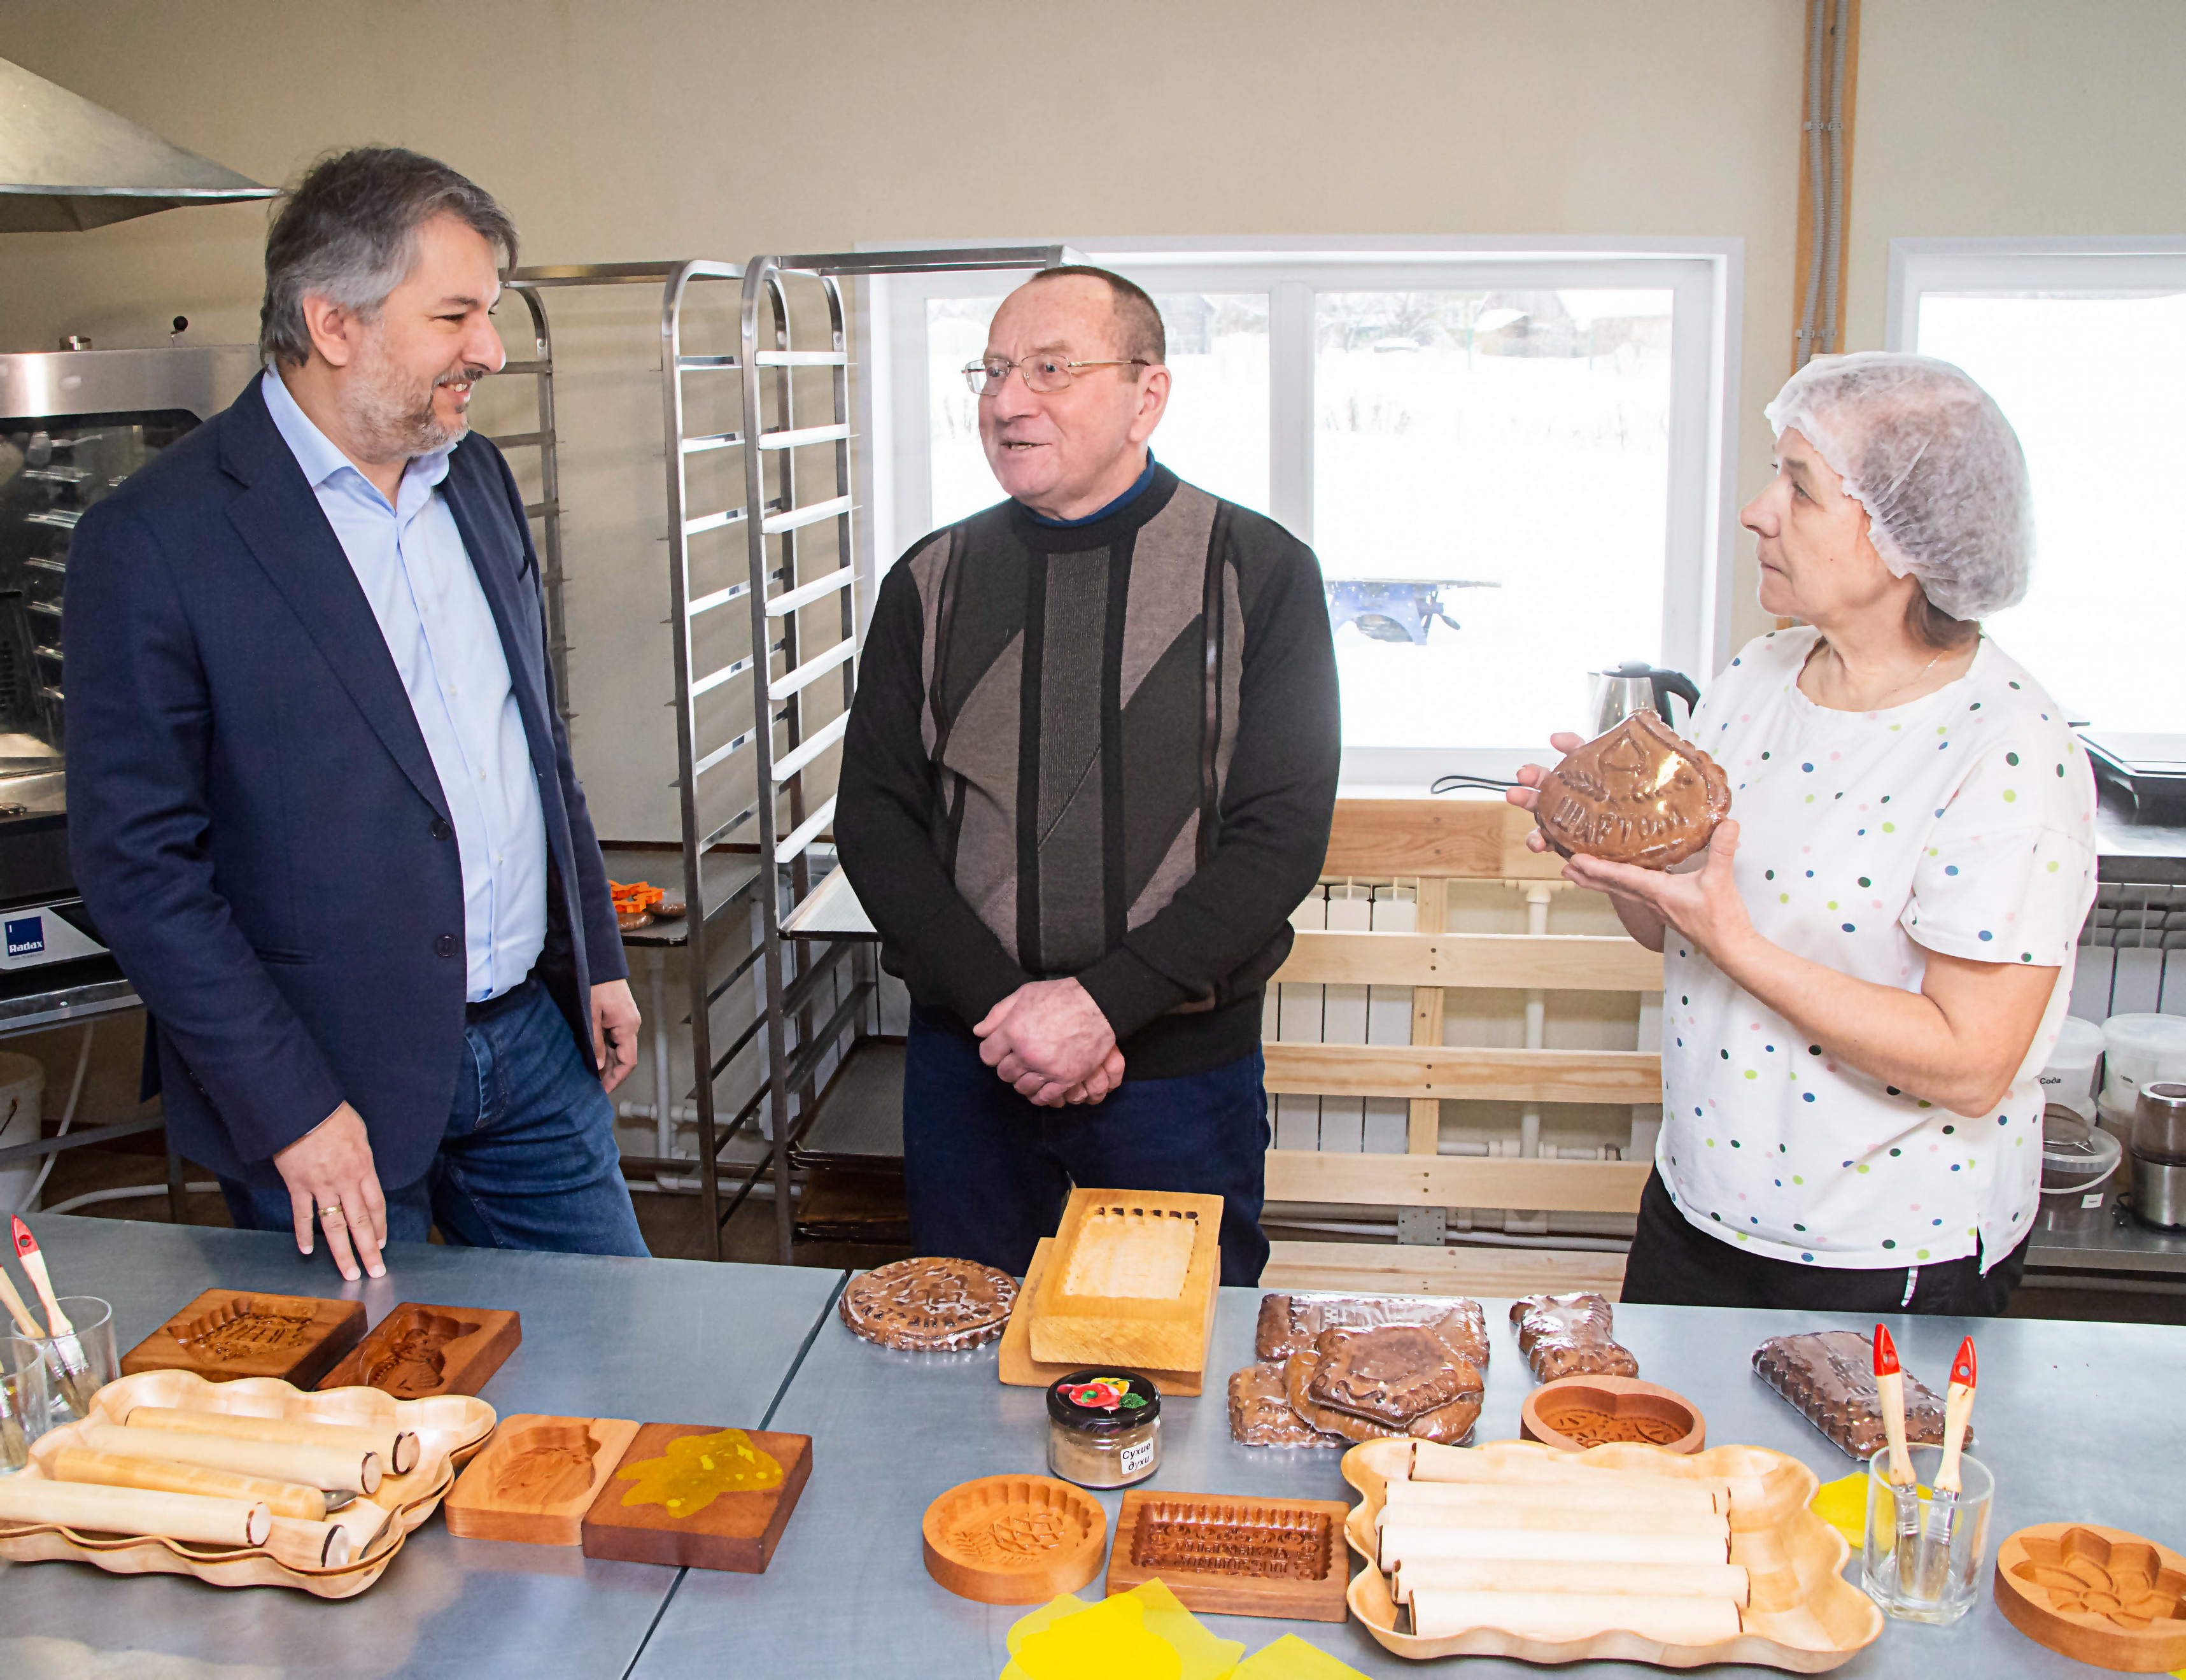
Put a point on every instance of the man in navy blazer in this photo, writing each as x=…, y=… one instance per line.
x=320, y=803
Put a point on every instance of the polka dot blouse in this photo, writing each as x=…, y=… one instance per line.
x=1962, y=822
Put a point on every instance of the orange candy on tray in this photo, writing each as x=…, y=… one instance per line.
x=636, y=898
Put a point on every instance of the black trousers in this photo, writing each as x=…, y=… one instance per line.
x=987, y=1174
x=1674, y=1264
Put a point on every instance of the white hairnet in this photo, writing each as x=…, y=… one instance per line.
x=1931, y=456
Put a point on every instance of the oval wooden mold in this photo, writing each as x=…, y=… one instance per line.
x=1805, y=1617
x=1014, y=1539
x=1569, y=1413
x=450, y=1429
x=2097, y=1595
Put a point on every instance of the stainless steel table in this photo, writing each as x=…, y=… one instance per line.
x=2072, y=1415
x=2120, y=1243
x=666, y=1340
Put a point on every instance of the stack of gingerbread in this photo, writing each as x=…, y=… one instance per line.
x=1333, y=1369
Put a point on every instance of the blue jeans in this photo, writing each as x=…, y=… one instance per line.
x=987, y=1174
x=529, y=1159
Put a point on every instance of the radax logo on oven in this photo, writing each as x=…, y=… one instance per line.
x=26, y=936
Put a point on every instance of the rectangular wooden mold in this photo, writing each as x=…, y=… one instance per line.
x=419, y=1350
x=733, y=1529
x=1138, y=1332
x=1019, y=1369
x=1235, y=1556
x=228, y=1334
x=536, y=1479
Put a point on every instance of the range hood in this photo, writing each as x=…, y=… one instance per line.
x=67, y=165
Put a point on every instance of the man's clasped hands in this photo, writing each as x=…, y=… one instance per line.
x=1050, y=1043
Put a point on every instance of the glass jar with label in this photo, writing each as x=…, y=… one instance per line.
x=1103, y=1428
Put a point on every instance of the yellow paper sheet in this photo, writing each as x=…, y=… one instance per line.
x=1290, y=1658
x=1842, y=1505
x=1144, y=1634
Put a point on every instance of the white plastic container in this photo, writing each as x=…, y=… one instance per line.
x=2068, y=1078
x=2138, y=1048
x=22, y=1110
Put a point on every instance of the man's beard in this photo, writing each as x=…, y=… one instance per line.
x=394, y=415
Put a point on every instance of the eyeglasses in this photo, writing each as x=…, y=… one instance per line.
x=1045, y=374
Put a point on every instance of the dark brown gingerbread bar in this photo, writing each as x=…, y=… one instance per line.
x=1566, y=1336
x=1829, y=1376
x=929, y=1305
x=1290, y=1323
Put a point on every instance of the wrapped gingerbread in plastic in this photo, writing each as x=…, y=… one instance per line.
x=1385, y=1380
x=1829, y=1376
x=1566, y=1336
x=1260, y=1414
x=1290, y=1323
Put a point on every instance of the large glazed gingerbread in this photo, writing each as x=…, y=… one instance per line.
x=1449, y=1423
x=1637, y=795
x=930, y=1305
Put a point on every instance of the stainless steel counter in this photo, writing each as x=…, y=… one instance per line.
x=848, y=1595
x=667, y=1341
x=2119, y=1244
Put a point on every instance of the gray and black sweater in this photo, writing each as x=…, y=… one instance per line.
x=1107, y=751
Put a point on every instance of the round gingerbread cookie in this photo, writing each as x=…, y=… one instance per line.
x=930, y=1305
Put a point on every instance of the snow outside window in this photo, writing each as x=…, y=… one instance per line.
x=2083, y=345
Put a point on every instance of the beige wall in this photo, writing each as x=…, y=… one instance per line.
x=616, y=129
x=1995, y=117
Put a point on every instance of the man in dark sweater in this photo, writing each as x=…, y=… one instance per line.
x=1089, y=775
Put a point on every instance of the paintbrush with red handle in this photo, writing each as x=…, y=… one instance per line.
x=1905, y=1488
x=1943, y=1503
x=67, y=1354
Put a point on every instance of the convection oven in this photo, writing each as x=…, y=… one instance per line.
x=73, y=425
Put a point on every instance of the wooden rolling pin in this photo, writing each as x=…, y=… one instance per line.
x=1560, y=1616
x=361, y=1521
x=1433, y=1462
x=311, y=1545
x=1519, y=1513
x=1644, y=1580
x=134, y=1511
x=110, y=1470
x=1650, y=1493
x=337, y=1468
x=397, y=1448
x=1402, y=1544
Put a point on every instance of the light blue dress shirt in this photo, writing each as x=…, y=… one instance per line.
x=410, y=563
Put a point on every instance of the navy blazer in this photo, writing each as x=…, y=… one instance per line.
x=254, y=819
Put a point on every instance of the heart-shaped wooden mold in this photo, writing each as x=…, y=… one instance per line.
x=1637, y=795
x=2097, y=1595
x=1573, y=1413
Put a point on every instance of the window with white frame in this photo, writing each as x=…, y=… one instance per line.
x=1509, y=464
x=2083, y=343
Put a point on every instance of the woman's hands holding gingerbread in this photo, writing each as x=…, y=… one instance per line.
x=1699, y=897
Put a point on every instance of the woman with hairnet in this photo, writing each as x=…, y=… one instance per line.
x=1863, y=973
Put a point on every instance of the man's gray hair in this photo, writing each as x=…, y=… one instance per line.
x=348, y=231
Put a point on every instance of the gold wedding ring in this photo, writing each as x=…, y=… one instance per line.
x=332, y=1210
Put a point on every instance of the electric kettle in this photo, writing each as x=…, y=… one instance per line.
x=1636, y=687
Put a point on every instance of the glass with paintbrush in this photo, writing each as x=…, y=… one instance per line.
x=77, y=1336
x=22, y=1401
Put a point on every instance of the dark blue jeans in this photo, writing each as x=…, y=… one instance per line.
x=529, y=1160
x=987, y=1172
